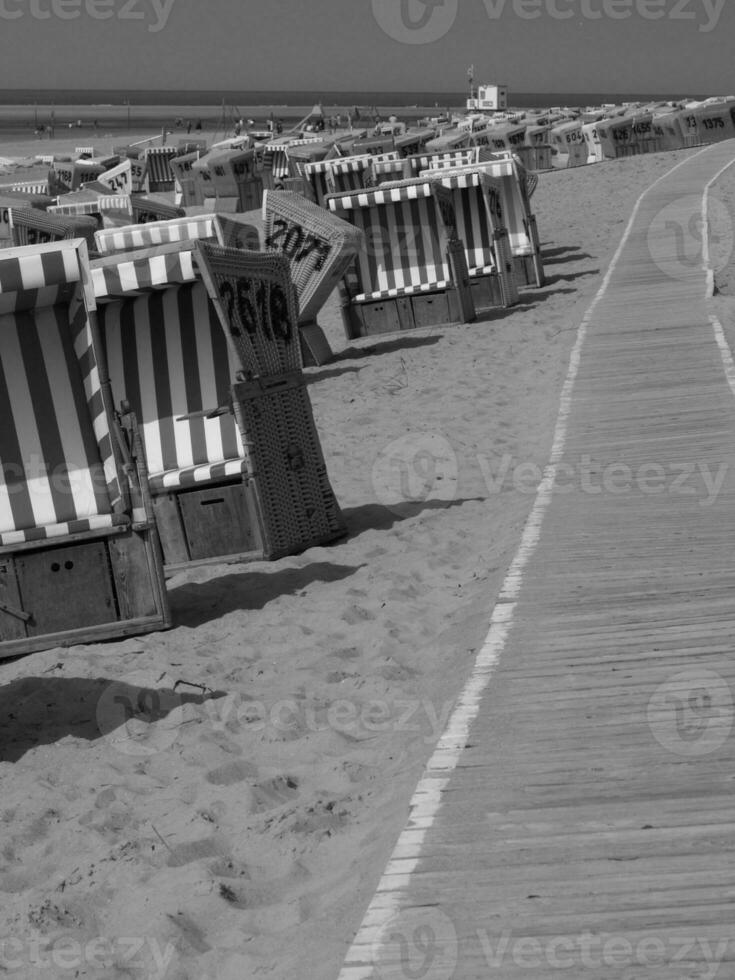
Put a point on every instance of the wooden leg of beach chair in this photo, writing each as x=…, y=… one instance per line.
x=352, y=320
x=466, y=312
x=315, y=349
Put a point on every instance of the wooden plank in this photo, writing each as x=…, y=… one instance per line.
x=592, y=794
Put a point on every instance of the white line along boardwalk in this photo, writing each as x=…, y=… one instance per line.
x=576, y=818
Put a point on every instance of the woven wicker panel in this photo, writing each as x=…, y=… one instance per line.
x=256, y=303
x=319, y=246
x=33, y=227
x=146, y=208
x=258, y=307
x=296, y=498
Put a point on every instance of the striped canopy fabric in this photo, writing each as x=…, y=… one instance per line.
x=406, y=226
x=58, y=474
x=89, y=202
x=112, y=240
x=349, y=174
x=128, y=273
x=168, y=357
x=421, y=162
x=479, y=217
x=513, y=203
x=158, y=167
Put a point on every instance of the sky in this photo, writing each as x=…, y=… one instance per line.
x=651, y=46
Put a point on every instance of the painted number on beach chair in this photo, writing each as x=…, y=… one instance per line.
x=297, y=244
x=716, y=122
x=259, y=307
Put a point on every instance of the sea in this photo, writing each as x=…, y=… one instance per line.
x=115, y=110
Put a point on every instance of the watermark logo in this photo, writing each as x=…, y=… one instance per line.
x=416, y=944
x=414, y=469
x=677, y=233
x=154, y=13
x=692, y=713
x=137, y=717
x=415, y=21
x=427, y=21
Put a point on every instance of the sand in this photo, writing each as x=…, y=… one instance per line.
x=242, y=831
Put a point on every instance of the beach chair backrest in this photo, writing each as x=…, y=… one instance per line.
x=476, y=199
x=161, y=177
x=257, y=305
x=349, y=174
x=406, y=226
x=514, y=205
x=319, y=246
x=169, y=359
x=117, y=208
x=58, y=473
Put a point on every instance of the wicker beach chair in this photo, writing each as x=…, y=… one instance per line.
x=411, y=270
x=79, y=555
x=237, y=184
x=30, y=226
x=476, y=200
x=518, y=217
x=320, y=247
x=109, y=210
x=170, y=360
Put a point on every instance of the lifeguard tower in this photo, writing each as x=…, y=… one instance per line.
x=489, y=98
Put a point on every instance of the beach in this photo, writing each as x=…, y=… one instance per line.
x=240, y=831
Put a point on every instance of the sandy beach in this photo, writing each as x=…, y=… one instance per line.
x=218, y=801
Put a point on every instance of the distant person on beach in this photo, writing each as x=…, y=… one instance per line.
x=198, y=126
x=188, y=125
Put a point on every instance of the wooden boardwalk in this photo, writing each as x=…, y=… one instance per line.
x=578, y=816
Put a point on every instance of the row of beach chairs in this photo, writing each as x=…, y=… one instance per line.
x=155, y=416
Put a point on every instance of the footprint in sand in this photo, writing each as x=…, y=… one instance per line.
x=272, y=793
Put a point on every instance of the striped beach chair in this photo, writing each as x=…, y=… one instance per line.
x=161, y=177
x=109, y=210
x=223, y=229
x=420, y=162
x=315, y=178
x=518, y=216
x=79, y=555
x=411, y=270
x=320, y=247
x=387, y=169
x=476, y=199
x=349, y=174
x=29, y=226
x=170, y=360
x=34, y=188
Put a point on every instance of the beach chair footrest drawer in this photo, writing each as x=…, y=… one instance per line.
x=76, y=587
x=206, y=523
